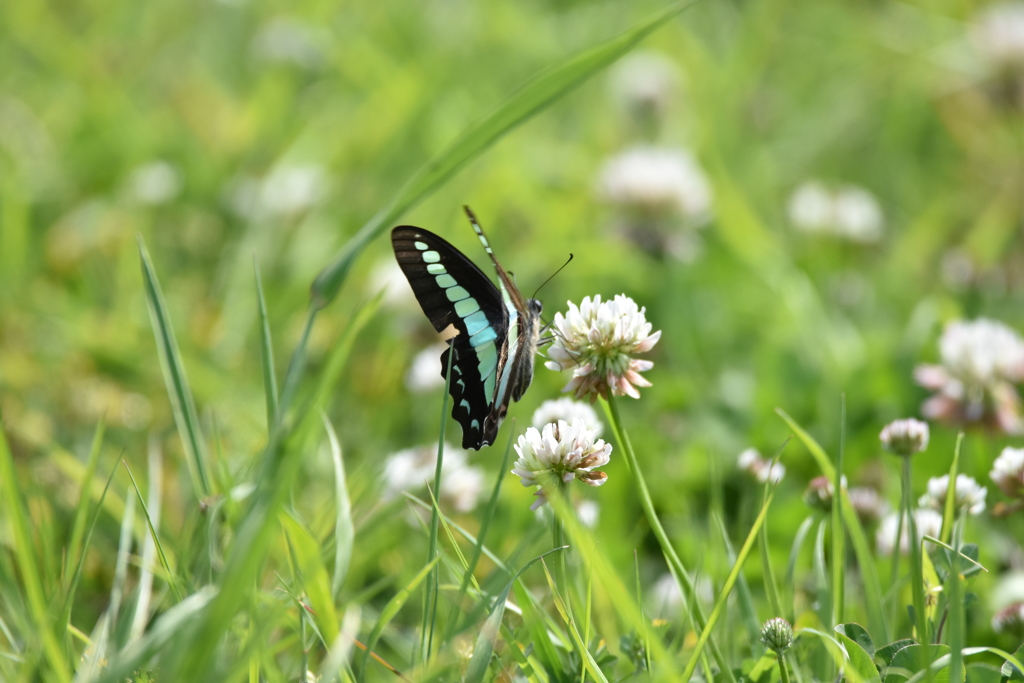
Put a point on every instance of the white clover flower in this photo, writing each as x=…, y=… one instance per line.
x=588, y=512
x=423, y=375
x=566, y=409
x=156, y=182
x=413, y=468
x=656, y=181
x=968, y=495
x=1008, y=472
x=285, y=40
x=868, y=504
x=645, y=82
x=998, y=34
x=290, y=188
x=750, y=461
x=564, y=450
x=387, y=275
x=905, y=437
x=820, y=492
x=928, y=522
x=982, y=360
x=849, y=212
x=595, y=341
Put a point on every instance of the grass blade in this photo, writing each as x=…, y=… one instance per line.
x=24, y=554
x=581, y=647
x=266, y=350
x=312, y=576
x=388, y=613
x=182, y=404
x=949, y=508
x=172, y=578
x=534, y=97
x=145, y=588
x=485, y=642
x=723, y=595
x=344, y=532
x=82, y=509
x=838, y=533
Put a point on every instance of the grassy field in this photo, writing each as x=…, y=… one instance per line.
x=220, y=403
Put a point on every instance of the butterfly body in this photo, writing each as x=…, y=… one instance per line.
x=498, y=330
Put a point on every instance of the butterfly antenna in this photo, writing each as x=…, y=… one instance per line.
x=568, y=261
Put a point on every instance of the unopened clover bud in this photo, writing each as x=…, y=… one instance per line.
x=777, y=635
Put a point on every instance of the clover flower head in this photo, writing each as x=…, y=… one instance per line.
x=868, y=504
x=998, y=34
x=644, y=82
x=777, y=635
x=928, y=523
x=1009, y=619
x=905, y=437
x=654, y=181
x=820, y=492
x=1008, y=472
x=564, y=450
x=762, y=470
x=566, y=409
x=422, y=375
x=968, y=494
x=595, y=340
x=982, y=360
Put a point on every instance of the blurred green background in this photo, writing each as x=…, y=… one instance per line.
x=223, y=131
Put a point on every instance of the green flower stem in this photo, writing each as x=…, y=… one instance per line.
x=558, y=540
x=783, y=669
x=675, y=564
x=916, y=565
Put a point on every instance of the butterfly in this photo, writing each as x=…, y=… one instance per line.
x=498, y=330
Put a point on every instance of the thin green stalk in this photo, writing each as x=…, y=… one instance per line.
x=916, y=565
x=675, y=564
x=838, y=532
x=957, y=625
x=783, y=669
x=558, y=541
x=434, y=581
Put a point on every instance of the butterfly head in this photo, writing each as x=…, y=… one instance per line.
x=535, y=307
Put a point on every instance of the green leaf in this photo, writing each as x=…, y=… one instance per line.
x=344, y=531
x=887, y=652
x=315, y=581
x=914, y=659
x=1009, y=672
x=182, y=404
x=854, y=637
x=534, y=97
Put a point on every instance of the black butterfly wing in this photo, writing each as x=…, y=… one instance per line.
x=451, y=290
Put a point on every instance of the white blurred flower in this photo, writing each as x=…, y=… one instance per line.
x=656, y=181
x=425, y=371
x=982, y=360
x=868, y=504
x=566, y=451
x=928, y=522
x=968, y=495
x=750, y=461
x=566, y=409
x=286, y=189
x=665, y=596
x=847, y=211
x=998, y=34
x=289, y=41
x=595, y=341
x=588, y=512
x=413, y=468
x=645, y=82
x=1008, y=472
x=387, y=275
x=156, y=182
x=905, y=437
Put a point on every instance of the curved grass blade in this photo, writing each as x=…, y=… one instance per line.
x=723, y=595
x=581, y=647
x=344, y=531
x=81, y=510
x=484, y=647
x=949, y=508
x=172, y=578
x=312, y=577
x=266, y=350
x=24, y=554
x=838, y=532
x=388, y=613
x=532, y=98
x=182, y=404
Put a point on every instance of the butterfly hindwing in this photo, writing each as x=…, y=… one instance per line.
x=451, y=290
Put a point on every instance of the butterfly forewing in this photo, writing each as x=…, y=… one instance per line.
x=451, y=290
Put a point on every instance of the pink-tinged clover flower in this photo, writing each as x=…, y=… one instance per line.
x=560, y=450
x=1008, y=472
x=905, y=437
x=982, y=361
x=596, y=341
